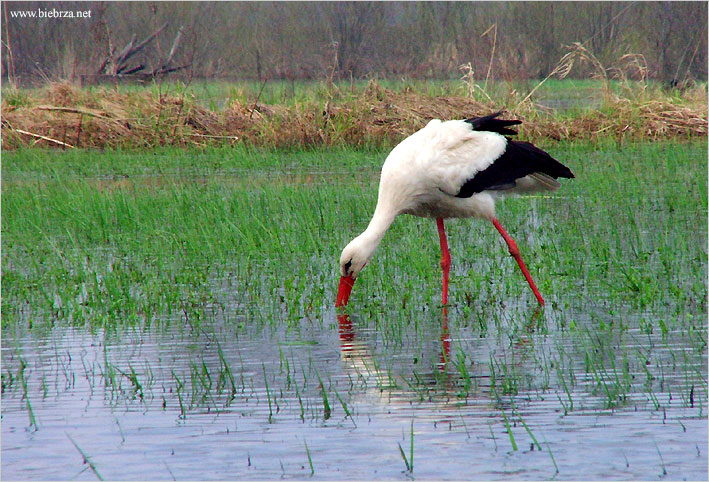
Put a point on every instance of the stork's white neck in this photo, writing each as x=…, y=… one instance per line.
x=359, y=251
x=378, y=226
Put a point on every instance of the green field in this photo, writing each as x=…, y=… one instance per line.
x=566, y=95
x=215, y=94
x=234, y=247
x=131, y=237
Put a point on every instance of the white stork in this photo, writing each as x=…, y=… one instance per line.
x=452, y=169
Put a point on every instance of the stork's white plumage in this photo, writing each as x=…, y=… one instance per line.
x=452, y=169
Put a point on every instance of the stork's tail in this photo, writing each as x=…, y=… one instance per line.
x=535, y=182
x=489, y=123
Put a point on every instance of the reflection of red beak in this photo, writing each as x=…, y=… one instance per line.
x=343, y=293
x=347, y=334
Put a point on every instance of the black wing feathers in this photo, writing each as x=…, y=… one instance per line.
x=519, y=159
x=490, y=124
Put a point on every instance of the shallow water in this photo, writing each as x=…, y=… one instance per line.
x=608, y=382
x=79, y=388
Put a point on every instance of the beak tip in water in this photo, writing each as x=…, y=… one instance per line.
x=343, y=293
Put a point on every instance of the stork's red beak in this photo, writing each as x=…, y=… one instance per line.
x=343, y=293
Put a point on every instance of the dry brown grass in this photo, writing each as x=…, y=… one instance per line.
x=65, y=116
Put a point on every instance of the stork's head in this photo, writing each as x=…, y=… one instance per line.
x=354, y=257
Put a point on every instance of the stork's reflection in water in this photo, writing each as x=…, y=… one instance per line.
x=361, y=359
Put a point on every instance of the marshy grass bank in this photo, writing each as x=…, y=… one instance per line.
x=327, y=114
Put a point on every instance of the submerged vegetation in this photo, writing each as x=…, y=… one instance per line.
x=117, y=239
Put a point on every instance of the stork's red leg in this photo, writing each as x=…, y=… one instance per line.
x=445, y=342
x=514, y=251
x=445, y=259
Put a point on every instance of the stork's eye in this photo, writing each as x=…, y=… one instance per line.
x=347, y=266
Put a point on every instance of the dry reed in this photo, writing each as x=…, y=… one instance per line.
x=62, y=115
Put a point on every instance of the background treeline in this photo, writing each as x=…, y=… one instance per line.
x=342, y=40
